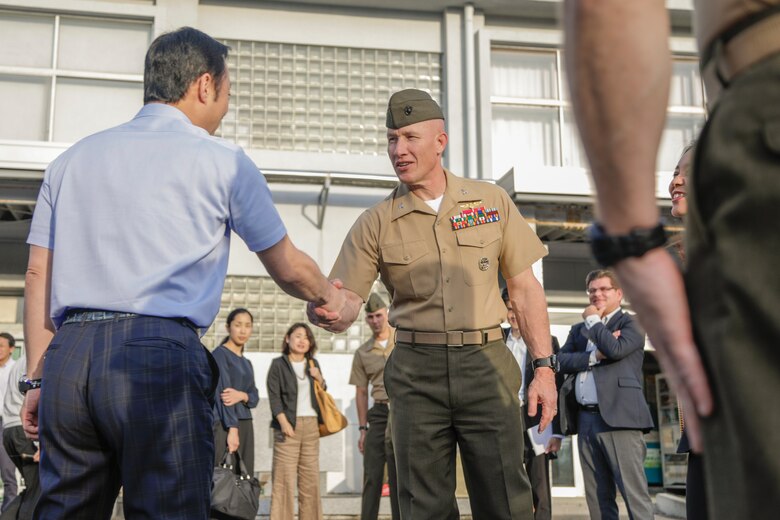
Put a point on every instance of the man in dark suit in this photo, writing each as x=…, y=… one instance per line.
x=603, y=359
x=537, y=466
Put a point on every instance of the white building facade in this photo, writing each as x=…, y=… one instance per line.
x=311, y=81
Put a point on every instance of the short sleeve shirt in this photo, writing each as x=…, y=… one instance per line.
x=368, y=366
x=139, y=218
x=441, y=270
x=714, y=16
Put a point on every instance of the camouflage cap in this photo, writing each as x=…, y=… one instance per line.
x=374, y=303
x=411, y=106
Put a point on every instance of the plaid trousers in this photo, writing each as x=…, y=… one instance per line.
x=126, y=402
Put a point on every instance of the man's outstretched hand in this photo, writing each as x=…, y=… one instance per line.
x=337, y=315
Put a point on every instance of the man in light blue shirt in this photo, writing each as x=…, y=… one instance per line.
x=128, y=255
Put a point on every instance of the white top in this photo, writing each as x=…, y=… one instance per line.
x=5, y=371
x=12, y=403
x=520, y=351
x=585, y=391
x=304, y=408
x=435, y=203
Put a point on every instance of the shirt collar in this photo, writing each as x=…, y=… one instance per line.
x=405, y=202
x=611, y=314
x=164, y=110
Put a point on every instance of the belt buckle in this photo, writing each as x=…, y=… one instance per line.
x=451, y=335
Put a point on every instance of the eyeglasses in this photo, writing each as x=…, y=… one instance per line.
x=595, y=290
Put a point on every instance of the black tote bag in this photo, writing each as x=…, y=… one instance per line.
x=234, y=493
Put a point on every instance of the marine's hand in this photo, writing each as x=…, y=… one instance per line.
x=542, y=391
x=654, y=285
x=553, y=445
x=329, y=313
x=362, y=441
x=30, y=413
x=336, y=321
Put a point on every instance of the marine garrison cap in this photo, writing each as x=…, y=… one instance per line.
x=375, y=302
x=411, y=106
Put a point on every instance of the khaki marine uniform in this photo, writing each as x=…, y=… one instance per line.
x=441, y=271
x=368, y=366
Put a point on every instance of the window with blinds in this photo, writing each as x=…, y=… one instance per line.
x=532, y=120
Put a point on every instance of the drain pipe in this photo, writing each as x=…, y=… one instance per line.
x=472, y=168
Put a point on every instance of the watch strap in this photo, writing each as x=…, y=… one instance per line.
x=611, y=249
x=26, y=384
x=546, y=362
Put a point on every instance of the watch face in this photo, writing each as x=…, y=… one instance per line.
x=26, y=385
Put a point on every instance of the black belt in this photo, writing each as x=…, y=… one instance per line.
x=384, y=402
x=590, y=408
x=89, y=315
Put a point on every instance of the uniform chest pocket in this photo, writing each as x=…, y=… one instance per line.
x=409, y=268
x=479, y=248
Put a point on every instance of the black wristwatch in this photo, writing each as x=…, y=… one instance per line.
x=611, y=249
x=26, y=384
x=362, y=428
x=547, y=362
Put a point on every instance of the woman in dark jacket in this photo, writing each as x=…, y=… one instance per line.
x=236, y=392
x=296, y=418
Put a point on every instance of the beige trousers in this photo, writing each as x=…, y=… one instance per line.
x=297, y=459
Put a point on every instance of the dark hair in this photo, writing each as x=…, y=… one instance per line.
x=11, y=340
x=176, y=59
x=236, y=312
x=505, y=294
x=309, y=334
x=688, y=147
x=602, y=273
x=232, y=316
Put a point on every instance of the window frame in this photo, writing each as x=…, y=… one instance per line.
x=54, y=72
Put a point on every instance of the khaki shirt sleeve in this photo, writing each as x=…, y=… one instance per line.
x=520, y=247
x=357, y=265
x=358, y=377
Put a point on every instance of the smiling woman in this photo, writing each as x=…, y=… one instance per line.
x=678, y=185
x=296, y=417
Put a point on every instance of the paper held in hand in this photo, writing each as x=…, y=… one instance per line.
x=539, y=441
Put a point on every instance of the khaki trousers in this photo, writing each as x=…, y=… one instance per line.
x=297, y=460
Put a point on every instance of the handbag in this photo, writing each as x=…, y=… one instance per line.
x=234, y=493
x=333, y=421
